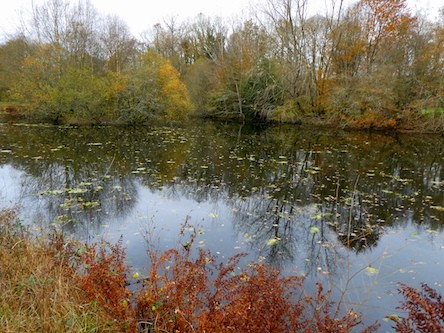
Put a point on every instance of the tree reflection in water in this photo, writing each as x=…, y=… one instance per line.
x=291, y=191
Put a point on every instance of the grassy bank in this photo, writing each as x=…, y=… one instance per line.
x=51, y=285
x=39, y=292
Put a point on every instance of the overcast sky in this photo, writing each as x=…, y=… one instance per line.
x=141, y=15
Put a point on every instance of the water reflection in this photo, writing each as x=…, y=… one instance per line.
x=299, y=199
x=275, y=179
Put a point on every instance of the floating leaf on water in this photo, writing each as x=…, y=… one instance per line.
x=391, y=317
x=387, y=191
x=117, y=187
x=94, y=144
x=51, y=192
x=76, y=190
x=90, y=204
x=6, y=151
x=438, y=208
x=314, y=230
x=432, y=231
x=273, y=241
x=371, y=271
x=135, y=275
x=213, y=215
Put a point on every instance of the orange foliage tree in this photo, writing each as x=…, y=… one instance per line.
x=383, y=21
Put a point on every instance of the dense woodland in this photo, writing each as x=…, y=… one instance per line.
x=369, y=65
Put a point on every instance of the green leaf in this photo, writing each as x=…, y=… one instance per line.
x=314, y=230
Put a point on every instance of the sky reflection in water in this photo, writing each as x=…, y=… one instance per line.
x=321, y=203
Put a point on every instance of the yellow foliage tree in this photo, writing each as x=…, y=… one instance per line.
x=173, y=92
x=154, y=90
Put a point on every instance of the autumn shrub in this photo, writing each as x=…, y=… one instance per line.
x=425, y=310
x=422, y=121
x=373, y=119
x=318, y=310
x=190, y=292
x=290, y=112
x=104, y=281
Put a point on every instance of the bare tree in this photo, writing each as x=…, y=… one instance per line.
x=117, y=43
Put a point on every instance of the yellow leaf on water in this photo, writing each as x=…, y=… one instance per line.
x=213, y=215
x=135, y=275
x=273, y=241
x=371, y=271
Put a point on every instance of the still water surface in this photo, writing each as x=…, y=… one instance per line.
x=359, y=211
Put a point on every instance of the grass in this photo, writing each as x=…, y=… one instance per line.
x=37, y=288
x=432, y=112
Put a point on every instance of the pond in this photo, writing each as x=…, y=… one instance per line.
x=358, y=211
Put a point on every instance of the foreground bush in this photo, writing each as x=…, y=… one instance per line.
x=194, y=293
x=425, y=310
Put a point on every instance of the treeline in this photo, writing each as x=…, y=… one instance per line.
x=372, y=64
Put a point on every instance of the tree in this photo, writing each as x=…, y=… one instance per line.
x=117, y=44
x=206, y=38
x=384, y=21
x=248, y=85
x=167, y=41
x=71, y=30
x=12, y=54
x=154, y=90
